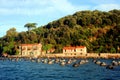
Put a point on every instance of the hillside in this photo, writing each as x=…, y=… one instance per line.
x=97, y=30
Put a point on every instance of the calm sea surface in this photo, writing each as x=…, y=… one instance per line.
x=27, y=70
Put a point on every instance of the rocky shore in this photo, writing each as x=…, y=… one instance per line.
x=61, y=55
x=72, y=61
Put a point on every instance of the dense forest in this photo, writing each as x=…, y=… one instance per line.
x=97, y=30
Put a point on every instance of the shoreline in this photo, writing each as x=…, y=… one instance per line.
x=61, y=55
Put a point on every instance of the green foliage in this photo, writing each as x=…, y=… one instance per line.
x=100, y=49
x=47, y=47
x=97, y=30
x=11, y=32
x=113, y=50
x=1, y=48
x=10, y=49
x=30, y=25
x=6, y=49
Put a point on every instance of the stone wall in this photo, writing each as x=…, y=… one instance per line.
x=89, y=55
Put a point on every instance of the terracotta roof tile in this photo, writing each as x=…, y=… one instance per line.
x=69, y=48
x=73, y=47
x=80, y=46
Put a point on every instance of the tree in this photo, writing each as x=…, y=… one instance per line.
x=47, y=47
x=100, y=49
x=12, y=32
x=30, y=26
x=113, y=50
x=10, y=49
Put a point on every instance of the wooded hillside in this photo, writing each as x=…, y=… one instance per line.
x=97, y=30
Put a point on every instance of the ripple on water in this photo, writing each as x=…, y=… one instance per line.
x=26, y=70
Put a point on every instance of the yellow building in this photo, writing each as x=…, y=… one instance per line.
x=32, y=50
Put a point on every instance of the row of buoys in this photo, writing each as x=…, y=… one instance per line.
x=60, y=61
x=115, y=63
x=77, y=64
x=103, y=64
x=99, y=62
x=108, y=66
x=65, y=61
x=9, y=59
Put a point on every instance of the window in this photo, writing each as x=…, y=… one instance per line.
x=74, y=50
x=29, y=48
x=65, y=50
x=35, y=47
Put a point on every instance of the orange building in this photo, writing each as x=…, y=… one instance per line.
x=30, y=49
x=78, y=50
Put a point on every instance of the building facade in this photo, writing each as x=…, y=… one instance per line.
x=78, y=50
x=30, y=49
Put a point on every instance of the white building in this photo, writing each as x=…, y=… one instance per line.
x=78, y=50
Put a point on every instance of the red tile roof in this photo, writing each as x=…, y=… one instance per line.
x=68, y=48
x=80, y=46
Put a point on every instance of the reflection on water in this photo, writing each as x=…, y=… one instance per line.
x=33, y=70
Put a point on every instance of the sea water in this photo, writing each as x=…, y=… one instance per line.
x=27, y=70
